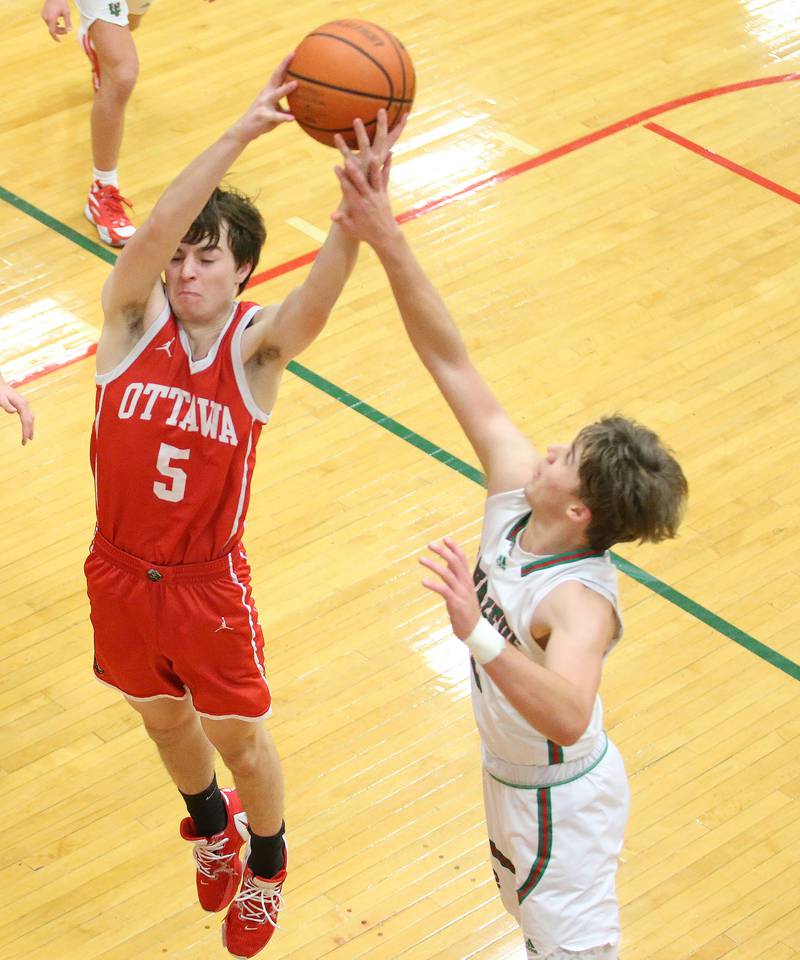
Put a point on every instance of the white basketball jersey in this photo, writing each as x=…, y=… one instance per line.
x=510, y=583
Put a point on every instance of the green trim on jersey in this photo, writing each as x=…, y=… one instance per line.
x=544, y=563
x=559, y=558
x=519, y=525
x=558, y=783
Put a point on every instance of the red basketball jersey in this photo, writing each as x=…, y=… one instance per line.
x=174, y=444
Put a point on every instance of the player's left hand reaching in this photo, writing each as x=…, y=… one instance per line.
x=13, y=402
x=454, y=585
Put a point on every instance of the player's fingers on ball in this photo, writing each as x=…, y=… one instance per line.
x=284, y=90
x=280, y=71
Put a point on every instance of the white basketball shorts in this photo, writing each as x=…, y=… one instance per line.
x=554, y=852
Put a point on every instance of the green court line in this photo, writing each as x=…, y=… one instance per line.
x=652, y=583
x=664, y=590
x=61, y=228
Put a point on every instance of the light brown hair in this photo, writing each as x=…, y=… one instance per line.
x=631, y=483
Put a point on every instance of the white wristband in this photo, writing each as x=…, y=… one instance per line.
x=485, y=643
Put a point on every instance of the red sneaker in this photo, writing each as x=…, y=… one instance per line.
x=104, y=209
x=253, y=916
x=219, y=868
x=88, y=48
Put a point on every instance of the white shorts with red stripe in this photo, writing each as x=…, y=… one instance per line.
x=554, y=852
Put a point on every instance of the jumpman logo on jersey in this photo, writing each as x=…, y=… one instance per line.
x=222, y=625
x=167, y=347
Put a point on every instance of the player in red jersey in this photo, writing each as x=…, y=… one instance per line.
x=186, y=377
x=13, y=402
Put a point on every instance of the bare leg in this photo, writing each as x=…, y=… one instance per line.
x=249, y=752
x=119, y=68
x=174, y=727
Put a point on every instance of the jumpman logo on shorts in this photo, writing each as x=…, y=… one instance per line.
x=167, y=347
x=222, y=625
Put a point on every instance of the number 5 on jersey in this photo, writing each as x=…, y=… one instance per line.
x=174, y=491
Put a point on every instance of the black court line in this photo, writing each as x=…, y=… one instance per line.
x=664, y=590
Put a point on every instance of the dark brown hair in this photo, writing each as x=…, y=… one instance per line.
x=632, y=484
x=246, y=230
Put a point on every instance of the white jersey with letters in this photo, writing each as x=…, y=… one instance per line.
x=510, y=584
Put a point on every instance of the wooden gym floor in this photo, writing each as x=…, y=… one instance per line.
x=606, y=194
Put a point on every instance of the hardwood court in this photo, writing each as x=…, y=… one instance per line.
x=648, y=266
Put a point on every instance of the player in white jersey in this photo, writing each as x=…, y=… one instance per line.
x=13, y=402
x=538, y=617
x=105, y=36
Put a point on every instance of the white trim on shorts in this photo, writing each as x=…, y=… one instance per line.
x=130, y=696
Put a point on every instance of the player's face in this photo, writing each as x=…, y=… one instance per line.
x=202, y=281
x=556, y=478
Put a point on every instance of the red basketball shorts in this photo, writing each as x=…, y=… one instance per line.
x=169, y=631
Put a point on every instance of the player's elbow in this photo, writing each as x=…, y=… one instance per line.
x=569, y=729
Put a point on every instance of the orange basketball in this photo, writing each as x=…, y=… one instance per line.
x=347, y=69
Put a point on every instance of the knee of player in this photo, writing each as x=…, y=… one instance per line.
x=242, y=759
x=170, y=735
x=119, y=80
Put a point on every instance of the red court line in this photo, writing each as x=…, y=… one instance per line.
x=548, y=157
x=724, y=162
x=51, y=367
x=519, y=168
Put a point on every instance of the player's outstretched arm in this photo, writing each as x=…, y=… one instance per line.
x=13, y=402
x=132, y=295
x=507, y=456
x=557, y=699
x=287, y=331
x=56, y=15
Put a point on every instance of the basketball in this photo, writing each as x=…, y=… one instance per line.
x=347, y=69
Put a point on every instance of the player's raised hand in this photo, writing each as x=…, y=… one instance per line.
x=379, y=150
x=56, y=15
x=454, y=585
x=13, y=402
x=266, y=112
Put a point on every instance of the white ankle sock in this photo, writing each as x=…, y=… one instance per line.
x=106, y=177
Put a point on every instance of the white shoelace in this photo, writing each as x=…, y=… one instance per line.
x=257, y=904
x=210, y=859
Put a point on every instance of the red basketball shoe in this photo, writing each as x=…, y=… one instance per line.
x=219, y=868
x=253, y=916
x=104, y=208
